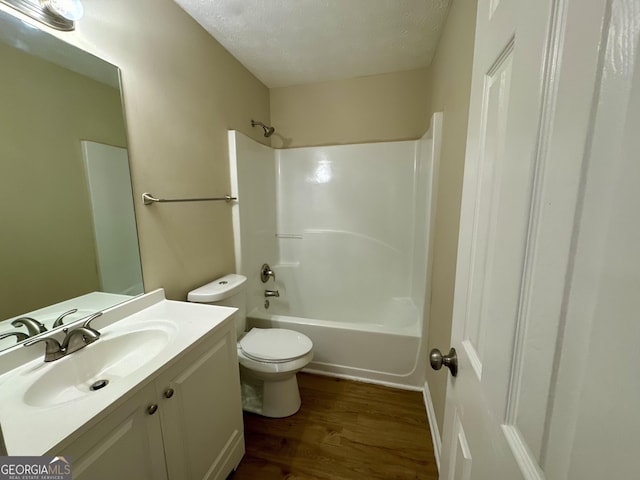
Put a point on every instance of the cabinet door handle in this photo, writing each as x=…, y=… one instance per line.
x=169, y=392
x=151, y=409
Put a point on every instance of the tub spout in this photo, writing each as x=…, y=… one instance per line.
x=271, y=293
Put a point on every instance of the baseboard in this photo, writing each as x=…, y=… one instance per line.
x=363, y=379
x=433, y=425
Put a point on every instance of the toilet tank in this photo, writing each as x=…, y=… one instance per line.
x=227, y=291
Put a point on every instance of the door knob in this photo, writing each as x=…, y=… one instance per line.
x=450, y=360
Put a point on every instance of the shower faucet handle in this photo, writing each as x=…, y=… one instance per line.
x=266, y=272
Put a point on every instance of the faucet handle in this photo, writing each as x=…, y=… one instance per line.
x=266, y=272
x=19, y=336
x=91, y=319
x=59, y=320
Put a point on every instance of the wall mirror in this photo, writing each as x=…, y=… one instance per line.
x=69, y=238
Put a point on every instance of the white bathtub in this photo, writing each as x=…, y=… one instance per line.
x=363, y=351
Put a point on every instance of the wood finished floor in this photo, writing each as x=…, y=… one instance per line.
x=344, y=430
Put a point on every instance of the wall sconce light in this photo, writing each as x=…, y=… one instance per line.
x=58, y=14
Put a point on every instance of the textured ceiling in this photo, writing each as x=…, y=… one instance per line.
x=292, y=42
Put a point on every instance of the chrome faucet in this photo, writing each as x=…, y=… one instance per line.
x=73, y=341
x=59, y=320
x=34, y=327
x=79, y=338
x=19, y=336
x=266, y=272
x=271, y=293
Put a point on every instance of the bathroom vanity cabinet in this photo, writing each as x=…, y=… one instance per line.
x=186, y=423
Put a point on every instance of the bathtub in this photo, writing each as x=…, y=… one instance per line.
x=370, y=352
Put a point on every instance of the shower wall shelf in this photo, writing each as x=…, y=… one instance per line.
x=289, y=235
x=148, y=199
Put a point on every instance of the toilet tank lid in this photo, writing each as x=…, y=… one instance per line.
x=223, y=287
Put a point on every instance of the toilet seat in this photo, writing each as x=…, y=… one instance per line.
x=274, y=345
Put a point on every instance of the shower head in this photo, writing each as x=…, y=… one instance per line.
x=268, y=131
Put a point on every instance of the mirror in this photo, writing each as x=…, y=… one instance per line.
x=68, y=238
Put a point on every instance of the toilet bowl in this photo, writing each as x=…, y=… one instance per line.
x=269, y=358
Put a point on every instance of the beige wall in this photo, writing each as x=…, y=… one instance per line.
x=47, y=244
x=393, y=106
x=182, y=92
x=451, y=83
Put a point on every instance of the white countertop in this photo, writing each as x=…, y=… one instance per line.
x=36, y=430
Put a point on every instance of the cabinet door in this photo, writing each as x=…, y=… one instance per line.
x=202, y=418
x=127, y=443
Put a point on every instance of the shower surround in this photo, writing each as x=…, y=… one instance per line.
x=346, y=230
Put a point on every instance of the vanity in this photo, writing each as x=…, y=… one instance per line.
x=169, y=408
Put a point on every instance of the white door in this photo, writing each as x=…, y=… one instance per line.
x=547, y=302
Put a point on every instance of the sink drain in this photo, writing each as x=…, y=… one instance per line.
x=98, y=384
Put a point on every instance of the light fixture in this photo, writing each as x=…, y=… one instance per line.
x=58, y=14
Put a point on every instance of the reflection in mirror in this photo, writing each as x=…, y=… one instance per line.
x=69, y=238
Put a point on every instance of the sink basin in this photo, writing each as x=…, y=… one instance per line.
x=113, y=357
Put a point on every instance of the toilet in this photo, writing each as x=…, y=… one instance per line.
x=269, y=358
